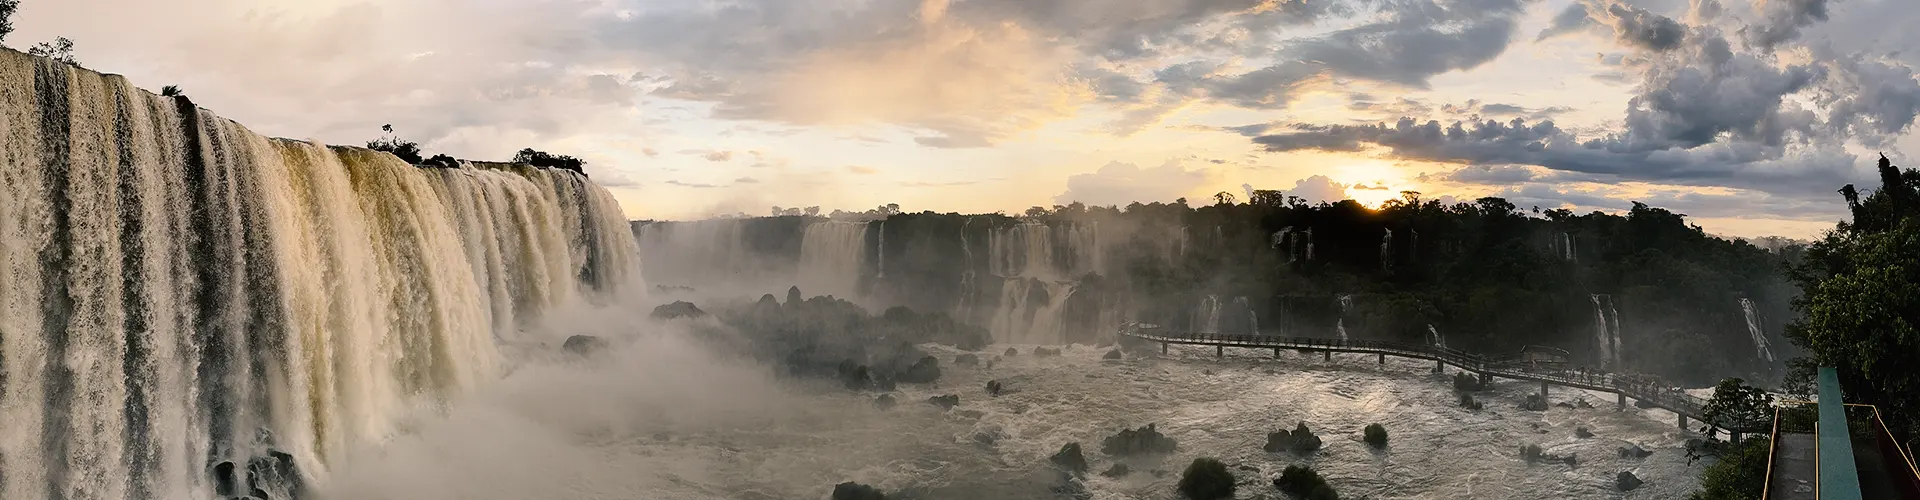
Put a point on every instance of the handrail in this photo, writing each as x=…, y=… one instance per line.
x=1640, y=387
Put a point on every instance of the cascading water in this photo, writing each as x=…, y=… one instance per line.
x=965, y=307
x=1309, y=244
x=1207, y=317
x=1340, y=325
x=697, y=253
x=1253, y=318
x=1434, y=338
x=831, y=256
x=1386, y=251
x=1413, y=245
x=1760, y=345
x=1026, y=255
x=183, y=296
x=1280, y=238
x=880, y=253
x=1606, y=330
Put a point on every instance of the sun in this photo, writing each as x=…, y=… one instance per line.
x=1371, y=183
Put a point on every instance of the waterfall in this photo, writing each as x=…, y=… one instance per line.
x=1434, y=338
x=1606, y=330
x=1023, y=320
x=1760, y=347
x=696, y=253
x=1386, y=251
x=1413, y=246
x=1340, y=324
x=831, y=256
x=180, y=292
x=1280, y=238
x=880, y=252
x=1253, y=318
x=965, y=308
x=1207, y=317
x=1309, y=244
x=1024, y=251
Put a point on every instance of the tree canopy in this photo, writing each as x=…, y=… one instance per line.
x=544, y=159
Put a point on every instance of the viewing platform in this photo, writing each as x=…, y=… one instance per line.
x=1649, y=391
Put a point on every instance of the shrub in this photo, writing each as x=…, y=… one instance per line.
x=1206, y=479
x=1530, y=453
x=1376, y=435
x=1304, y=482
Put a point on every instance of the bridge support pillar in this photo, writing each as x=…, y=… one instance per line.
x=1276, y=353
x=1735, y=435
x=1383, y=358
x=1163, y=348
x=1219, y=351
x=1543, y=392
x=1439, y=366
x=1622, y=405
x=1329, y=354
x=1683, y=422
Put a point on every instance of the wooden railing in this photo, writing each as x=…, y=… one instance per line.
x=1649, y=390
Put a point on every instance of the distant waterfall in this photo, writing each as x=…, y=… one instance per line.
x=1309, y=244
x=967, y=276
x=182, y=295
x=1253, y=318
x=1606, y=330
x=880, y=253
x=1340, y=325
x=831, y=256
x=694, y=253
x=1434, y=338
x=1052, y=258
x=1386, y=251
x=1760, y=345
x=1207, y=318
x=1279, y=238
x=1023, y=320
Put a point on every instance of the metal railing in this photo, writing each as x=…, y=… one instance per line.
x=1647, y=389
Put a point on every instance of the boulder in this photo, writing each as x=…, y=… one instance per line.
x=1582, y=433
x=677, y=310
x=1206, y=479
x=1045, y=351
x=1634, y=451
x=993, y=388
x=884, y=402
x=1011, y=352
x=1113, y=354
x=1070, y=459
x=584, y=345
x=968, y=359
x=974, y=414
x=1117, y=471
x=946, y=402
x=924, y=371
x=1534, y=403
x=1304, y=483
x=1301, y=440
x=856, y=377
x=1145, y=440
x=1375, y=435
x=856, y=491
x=1626, y=481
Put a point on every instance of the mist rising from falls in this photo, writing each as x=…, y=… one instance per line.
x=1253, y=317
x=1340, y=325
x=1760, y=344
x=180, y=291
x=831, y=257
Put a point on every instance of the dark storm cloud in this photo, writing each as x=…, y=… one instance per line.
x=1638, y=27
x=1492, y=174
x=1569, y=20
x=1417, y=40
x=1782, y=21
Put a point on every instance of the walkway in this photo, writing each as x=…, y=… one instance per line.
x=1651, y=392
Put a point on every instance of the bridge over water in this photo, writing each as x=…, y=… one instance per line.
x=1647, y=390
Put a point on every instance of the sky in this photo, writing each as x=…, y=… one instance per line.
x=1747, y=115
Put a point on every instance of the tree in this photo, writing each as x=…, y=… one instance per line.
x=1736, y=402
x=171, y=91
x=405, y=150
x=1223, y=198
x=1860, y=308
x=544, y=159
x=60, y=49
x=7, y=8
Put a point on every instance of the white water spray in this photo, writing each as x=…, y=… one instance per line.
x=831, y=256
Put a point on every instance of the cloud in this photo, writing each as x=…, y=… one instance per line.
x=1119, y=183
x=746, y=180
x=649, y=152
x=1636, y=27
x=718, y=156
x=862, y=170
x=693, y=185
x=946, y=184
x=1782, y=21
x=1571, y=19
x=1492, y=174
x=1318, y=188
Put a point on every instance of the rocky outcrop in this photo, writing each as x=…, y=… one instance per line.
x=856, y=491
x=584, y=345
x=1582, y=433
x=1070, y=459
x=884, y=402
x=1117, y=471
x=1301, y=440
x=1626, y=481
x=1304, y=483
x=274, y=472
x=1634, y=451
x=924, y=371
x=1011, y=352
x=1145, y=440
x=968, y=359
x=1045, y=351
x=946, y=402
x=1206, y=479
x=1113, y=354
x=677, y=310
x=1534, y=403
x=993, y=388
